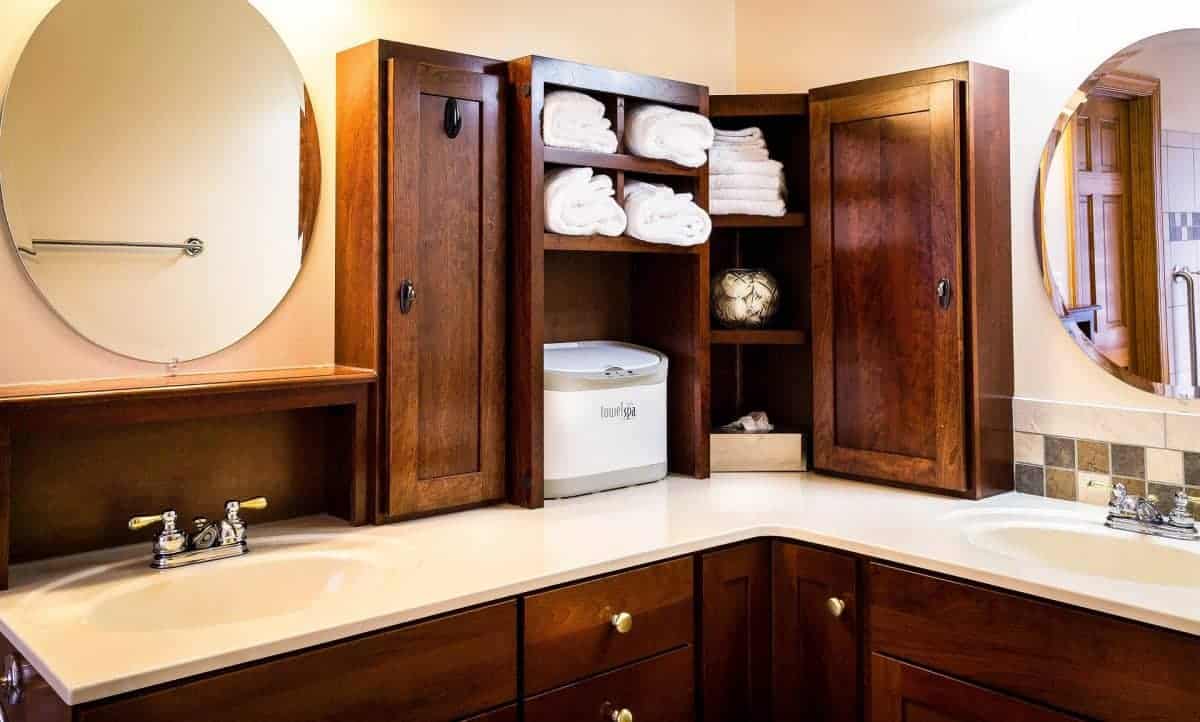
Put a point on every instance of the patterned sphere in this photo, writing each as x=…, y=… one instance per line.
x=744, y=297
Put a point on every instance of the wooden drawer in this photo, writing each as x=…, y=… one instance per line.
x=569, y=632
x=445, y=669
x=1083, y=662
x=656, y=690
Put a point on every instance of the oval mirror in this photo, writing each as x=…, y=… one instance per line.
x=1118, y=214
x=159, y=171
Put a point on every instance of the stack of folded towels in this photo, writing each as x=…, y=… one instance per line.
x=658, y=214
x=580, y=203
x=575, y=120
x=656, y=131
x=742, y=177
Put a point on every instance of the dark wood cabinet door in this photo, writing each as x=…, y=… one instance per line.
x=504, y=714
x=735, y=654
x=888, y=334
x=658, y=689
x=903, y=693
x=445, y=303
x=815, y=611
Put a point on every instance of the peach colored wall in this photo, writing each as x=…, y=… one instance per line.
x=1048, y=46
x=685, y=39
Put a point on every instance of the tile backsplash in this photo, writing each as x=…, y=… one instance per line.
x=1076, y=452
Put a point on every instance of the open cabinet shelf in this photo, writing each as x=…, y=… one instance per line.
x=613, y=244
x=759, y=337
x=793, y=219
x=614, y=161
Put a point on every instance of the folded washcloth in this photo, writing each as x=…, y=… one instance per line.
x=578, y=203
x=660, y=215
x=772, y=168
x=746, y=180
x=735, y=153
x=656, y=131
x=774, y=208
x=742, y=136
x=745, y=194
x=575, y=120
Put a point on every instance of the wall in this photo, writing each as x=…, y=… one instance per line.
x=690, y=40
x=1049, y=47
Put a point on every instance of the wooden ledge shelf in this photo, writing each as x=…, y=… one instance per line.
x=791, y=220
x=615, y=244
x=615, y=161
x=759, y=337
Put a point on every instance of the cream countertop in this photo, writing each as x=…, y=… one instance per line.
x=101, y=624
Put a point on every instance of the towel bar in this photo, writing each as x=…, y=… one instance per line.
x=192, y=247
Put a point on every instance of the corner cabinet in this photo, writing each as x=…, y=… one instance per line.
x=420, y=260
x=911, y=279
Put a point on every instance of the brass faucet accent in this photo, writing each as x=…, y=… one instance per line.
x=207, y=542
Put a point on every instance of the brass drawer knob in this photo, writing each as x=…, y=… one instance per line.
x=623, y=623
x=622, y=715
x=835, y=606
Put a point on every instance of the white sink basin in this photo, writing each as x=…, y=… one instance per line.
x=1083, y=545
x=278, y=577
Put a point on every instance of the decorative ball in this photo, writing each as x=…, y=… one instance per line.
x=744, y=297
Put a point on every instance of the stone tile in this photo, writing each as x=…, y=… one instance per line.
x=1060, y=452
x=1163, y=496
x=1182, y=432
x=1193, y=493
x=1060, y=484
x=1093, y=488
x=1164, y=465
x=1030, y=479
x=1191, y=468
x=1129, y=461
x=1137, y=487
x=1102, y=423
x=1092, y=456
x=1029, y=448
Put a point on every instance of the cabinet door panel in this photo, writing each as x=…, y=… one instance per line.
x=888, y=347
x=903, y=693
x=736, y=634
x=658, y=689
x=446, y=238
x=816, y=651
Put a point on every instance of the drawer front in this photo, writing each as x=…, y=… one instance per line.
x=656, y=690
x=1083, y=662
x=441, y=670
x=569, y=632
x=506, y=714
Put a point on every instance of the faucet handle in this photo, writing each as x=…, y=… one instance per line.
x=167, y=518
x=232, y=507
x=1181, y=516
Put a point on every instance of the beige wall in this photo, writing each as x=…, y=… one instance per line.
x=690, y=40
x=1048, y=46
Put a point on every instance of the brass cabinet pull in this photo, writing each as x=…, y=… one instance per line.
x=835, y=606
x=622, y=715
x=623, y=623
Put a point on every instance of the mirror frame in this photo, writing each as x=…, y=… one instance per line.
x=1055, y=295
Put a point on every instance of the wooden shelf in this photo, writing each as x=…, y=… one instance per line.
x=616, y=161
x=791, y=220
x=759, y=337
x=614, y=244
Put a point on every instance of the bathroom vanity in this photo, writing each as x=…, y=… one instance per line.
x=745, y=597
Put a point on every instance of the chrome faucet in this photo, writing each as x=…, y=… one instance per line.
x=1130, y=512
x=207, y=542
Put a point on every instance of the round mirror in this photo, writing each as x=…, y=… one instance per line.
x=159, y=171
x=1118, y=221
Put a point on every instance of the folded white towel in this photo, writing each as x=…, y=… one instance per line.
x=656, y=131
x=574, y=120
x=719, y=144
x=660, y=215
x=774, y=208
x=745, y=136
x=750, y=167
x=746, y=180
x=745, y=194
x=578, y=203
x=736, y=153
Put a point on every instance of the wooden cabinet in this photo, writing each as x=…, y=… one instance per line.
x=658, y=690
x=421, y=268
x=504, y=714
x=445, y=669
x=735, y=650
x=903, y=693
x=911, y=270
x=816, y=640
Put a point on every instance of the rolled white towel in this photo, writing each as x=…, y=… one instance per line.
x=746, y=136
x=660, y=215
x=724, y=153
x=745, y=194
x=578, y=203
x=774, y=208
x=746, y=180
x=772, y=168
x=575, y=120
x=656, y=131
